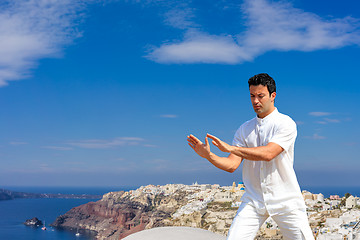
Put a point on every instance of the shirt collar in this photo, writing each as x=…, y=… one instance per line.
x=265, y=119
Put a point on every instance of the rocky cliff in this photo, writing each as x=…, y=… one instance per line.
x=119, y=214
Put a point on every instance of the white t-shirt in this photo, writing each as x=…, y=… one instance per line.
x=271, y=186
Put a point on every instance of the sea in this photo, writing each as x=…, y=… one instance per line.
x=14, y=212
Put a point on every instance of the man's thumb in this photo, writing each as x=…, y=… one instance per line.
x=206, y=141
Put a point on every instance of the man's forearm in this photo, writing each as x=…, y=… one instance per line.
x=262, y=153
x=224, y=163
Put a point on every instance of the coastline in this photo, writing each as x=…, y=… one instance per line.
x=6, y=194
x=88, y=190
x=333, y=190
x=101, y=190
x=15, y=212
x=23, y=209
x=205, y=206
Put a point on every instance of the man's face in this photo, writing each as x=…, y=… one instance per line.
x=262, y=101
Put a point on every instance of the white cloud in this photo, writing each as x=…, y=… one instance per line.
x=279, y=26
x=34, y=29
x=319, y=114
x=315, y=136
x=270, y=26
x=18, y=143
x=200, y=48
x=169, y=116
x=31, y=30
x=324, y=120
x=300, y=122
x=150, y=145
x=180, y=17
x=57, y=148
x=331, y=120
x=101, y=144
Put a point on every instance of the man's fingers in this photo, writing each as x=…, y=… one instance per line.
x=192, y=142
x=206, y=141
x=193, y=138
x=212, y=137
x=191, y=146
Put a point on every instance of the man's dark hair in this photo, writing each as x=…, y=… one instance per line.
x=265, y=80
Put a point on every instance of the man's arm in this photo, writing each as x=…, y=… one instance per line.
x=262, y=153
x=229, y=164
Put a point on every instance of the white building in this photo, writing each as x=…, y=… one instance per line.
x=320, y=197
x=333, y=223
x=223, y=196
x=334, y=203
x=350, y=202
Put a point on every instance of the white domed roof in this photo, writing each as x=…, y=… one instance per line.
x=175, y=233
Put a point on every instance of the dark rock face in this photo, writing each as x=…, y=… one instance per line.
x=118, y=215
x=34, y=222
x=108, y=221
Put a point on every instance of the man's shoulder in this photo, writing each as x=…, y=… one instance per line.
x=283, y=118
x=248, y=123
x=244, y=130
x=283, y=121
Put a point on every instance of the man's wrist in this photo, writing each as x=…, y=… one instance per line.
x=232, y=149
x=210, y=156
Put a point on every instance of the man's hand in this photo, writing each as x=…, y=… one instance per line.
x=229, y=164
x=202, y=149
x=223, y=146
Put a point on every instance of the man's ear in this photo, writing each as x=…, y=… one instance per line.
x=273, y=95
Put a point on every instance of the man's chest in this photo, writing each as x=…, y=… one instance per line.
x=260, y=134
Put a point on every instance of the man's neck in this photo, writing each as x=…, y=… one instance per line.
x=263, y=115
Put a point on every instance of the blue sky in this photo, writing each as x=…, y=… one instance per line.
x=104, y=93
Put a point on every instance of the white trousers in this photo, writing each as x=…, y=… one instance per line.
x=293, y=225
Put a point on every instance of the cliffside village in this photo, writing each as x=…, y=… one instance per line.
x=330, y=218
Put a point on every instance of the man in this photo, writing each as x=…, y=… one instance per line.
x=266, y=146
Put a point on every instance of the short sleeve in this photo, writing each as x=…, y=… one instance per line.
x=285, y=134
x=239, y=138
